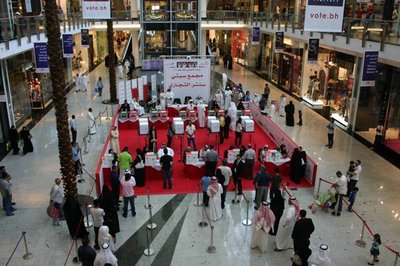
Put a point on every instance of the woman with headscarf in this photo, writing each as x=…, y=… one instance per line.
x=283, y=237
x=152, y=139
x=106, y=238
x=26, y=137
x=232, y=113
x=289, y=110
x=14, y=139
x=320, y=257
x=277, y=206
x=263, y=222
x=295, y=166
x=114, y=139
x=201, y=114
x=138, y=164
x=214, y=191
x=105, y=257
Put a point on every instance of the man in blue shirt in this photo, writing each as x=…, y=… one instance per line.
x=75, y=158
x=205, y=182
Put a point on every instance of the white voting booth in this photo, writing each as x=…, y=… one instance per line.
x=247, y=123
x=213, y=124
x=178, y=125
x=143, y=126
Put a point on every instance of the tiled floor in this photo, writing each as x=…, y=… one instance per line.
x=180, y=241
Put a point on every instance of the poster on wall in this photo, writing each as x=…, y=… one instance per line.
x=324, y=16
x=369, y=68
x=68, y=45
x=187, y=77
x=85, y=38
x=279, y=45
x=41, y=57
x=255, y=35
x=96, y=9
x=313, y=47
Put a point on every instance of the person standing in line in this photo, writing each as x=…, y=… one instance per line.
x=374, y=251
x=78, y=82
x=214, y=191
x=352, y=198
x=152, y=139
x=320, y=257
x=105, y=257
x=227, y=173
x=238, y=171
x=6, y=193
x=286, y=225
x=331, y=131
x=166, y=162
x=169, y=96
x=115, y=186
x=114, y=139
x=74, y=128
x=275, y=183
x=205, y=182
x=124, y=160
x=211, y=160
x=353, y=177
x=289, y=110
x=14, y=139
x=128, y=193
x=249, y=157
x=100, y=86
x=84, y=82
x=190, y=130
x=98, y=220
x=57, y=195
x=263, y=222
x=341, y=187
x=238, y=132
x=232, y=113
x=277, y=207
x=300, y=108
x=139, y=164
x=303, y=228
x=26, y=137
x=170, y=134
x=106, y=238
x=261, y=181
x=76, y=159
x=267, y=91
x=86, y=253
x=282, y=105
x=221, y=128
x=91, y=122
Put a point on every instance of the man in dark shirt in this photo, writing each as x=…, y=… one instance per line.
x=115, y=185
x=211, y=160
x=262, y=181
x=86, y=253
x=302, y=231
x=237, y=173
x=166, y=162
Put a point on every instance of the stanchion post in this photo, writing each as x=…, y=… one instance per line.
x=361, y=242
x=88, y=224
x=148, y=251
x=198, y=203
x=108, y=117
x=85, y=149
x=27, y=254
x=76, y=259
x=319, y=186
x=396, y=259
x=211, y=249
x=203, y=223
x=148, y=204
x=247, y=222
x=151, y=225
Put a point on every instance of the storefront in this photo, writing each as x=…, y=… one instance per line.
x=80, y=60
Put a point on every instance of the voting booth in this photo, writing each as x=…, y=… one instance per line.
x=143, y=126
x=178, y=125
x=209, y=119
x=214, y=126
x=248, y=125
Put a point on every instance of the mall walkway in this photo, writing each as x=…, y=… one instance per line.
x=178, y=239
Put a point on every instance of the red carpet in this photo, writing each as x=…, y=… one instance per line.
x=188, y=182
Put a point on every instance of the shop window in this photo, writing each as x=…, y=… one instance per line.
x=156, y=10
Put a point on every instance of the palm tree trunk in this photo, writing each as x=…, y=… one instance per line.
x=112, y=62
x=59, y=98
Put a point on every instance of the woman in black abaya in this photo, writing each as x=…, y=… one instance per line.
x=14, y=138
x=277, y=206
x=289, y=110
x=138, y=164
x=295, y=166
x=26, y=137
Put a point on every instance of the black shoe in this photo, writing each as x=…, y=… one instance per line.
x=13, y=203
x=334, y=214
x=329, y=147
x=133, y=214
x=124, y=215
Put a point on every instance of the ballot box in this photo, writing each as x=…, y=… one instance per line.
x=214, y=126
x=178, y=126
x=209, y=119
x=248, y=125
x=143, y=127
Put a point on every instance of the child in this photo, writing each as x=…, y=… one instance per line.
x=352, y=198
x=55, y=213
x=375, y=249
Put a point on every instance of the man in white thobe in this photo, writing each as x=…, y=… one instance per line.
x=320, y=257
x=163, y=102
x=282, y=105
x=219, y=98
x=228, y=99
x=169, y=95
x=232, y=112
x=78, y=82
x=224, y=80
x=139, y=109
x=283, y=237
x=160, y=152
x=201, y=114
x=84, y=82
x=91, y=122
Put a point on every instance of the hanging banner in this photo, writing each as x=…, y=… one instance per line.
x=324, y=16
x=369, y=68
x=279, y=45
x=96, y=9
x=187, y=77
x=28, y=6
x=313, y=47
x=154, y=85
x=85, y=38
x=41, y=57
x=255, y=35
x=68, y=45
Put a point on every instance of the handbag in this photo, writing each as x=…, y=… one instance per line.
x=140, y=164
x=296, y=260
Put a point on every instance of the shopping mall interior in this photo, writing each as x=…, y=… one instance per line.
x=145, y=33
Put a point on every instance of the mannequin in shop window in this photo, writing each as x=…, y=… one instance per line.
x=329, y=94
x=315, y=89
x=345, y=105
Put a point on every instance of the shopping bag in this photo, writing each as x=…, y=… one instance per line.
x=96, y=90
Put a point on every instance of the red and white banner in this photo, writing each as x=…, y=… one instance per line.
x=187, y=77
x=96, y=9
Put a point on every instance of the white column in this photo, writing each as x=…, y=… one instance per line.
x=134, y=8
x=135, y=47
x=203, y=42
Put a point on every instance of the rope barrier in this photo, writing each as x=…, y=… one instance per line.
x=27, y=255
x=364, y=222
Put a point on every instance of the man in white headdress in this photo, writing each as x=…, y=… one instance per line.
x=228, y=98
x=91, y=122
x=214, y=191
x=84, y=82
x=283, y=238
x=169, y=96
x=78, y=82
x=190, y=105
x=137, y=107
x=219, y=98
x=263, y=222
x=256, y=99
x=320, y=257
x=282, y=105
x=224, y=80
x=163, y=102
x=272, y=109
x=201, y=114
x=232, y=112
x=106, y=238
x=105, y=257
